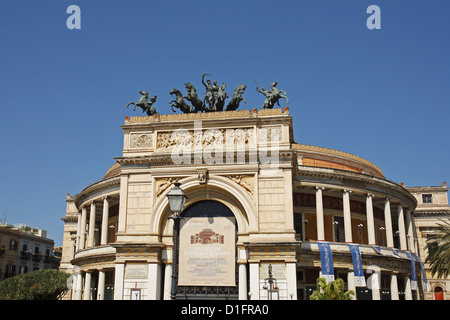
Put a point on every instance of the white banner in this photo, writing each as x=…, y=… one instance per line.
x=207, y=252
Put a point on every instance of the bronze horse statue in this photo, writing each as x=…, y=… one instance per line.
x=180, y=103
x=233, y=104
x=272, y=96
x=145, y=103
x=193, y=98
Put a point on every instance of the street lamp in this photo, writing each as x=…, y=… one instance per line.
x=176, y=198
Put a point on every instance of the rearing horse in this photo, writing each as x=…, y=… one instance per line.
x=179, y=102
x=193, y=98
x=233, y=104
x=145, y=103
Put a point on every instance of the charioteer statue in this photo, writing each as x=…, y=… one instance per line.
x=214, y=98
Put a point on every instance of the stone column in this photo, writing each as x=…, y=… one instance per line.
x=105, y=216
x=370, y=220
x=408, y=291
x=91, y=225
x=376, y=291
x=87, y=285
x=77, y=245
x=351, y=282
x=254, y=281
x=410, y=233
x=154, y=281
x=101, y=285
x=347, y=216
x=118, y=281
x=78, y=286
x=319, y=214
x=167, y=281
x=401, y=228
x=291, y=272
x=394, y=287
x=243, y=281
x=83, y=228
x=388, y=224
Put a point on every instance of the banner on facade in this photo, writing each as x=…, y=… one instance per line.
x=358, y=271
x=377, y=249
x=326, y=261
x=207, y=252
x=395, y=252
x=424, y=276
x=413, y=271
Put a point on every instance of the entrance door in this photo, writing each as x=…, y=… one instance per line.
x=438, y=293
x=207, y=262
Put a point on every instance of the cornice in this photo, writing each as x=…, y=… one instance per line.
x=102, y=185
x=337, y=153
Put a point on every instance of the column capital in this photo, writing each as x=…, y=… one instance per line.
x=346, y=191
x=92, y=202
x=320, y=187
x=105, y=198
x=371, y=195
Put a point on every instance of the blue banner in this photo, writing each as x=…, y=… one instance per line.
x=358, y=271
x=413, y=271
x=377, y=249
x=326, y=261
x=424, y=276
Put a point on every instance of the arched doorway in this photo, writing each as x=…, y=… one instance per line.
x=207, y=261
x=438, y=293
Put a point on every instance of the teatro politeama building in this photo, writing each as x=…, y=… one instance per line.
x=263, y=218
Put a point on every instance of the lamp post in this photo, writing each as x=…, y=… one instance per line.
x=176, y=198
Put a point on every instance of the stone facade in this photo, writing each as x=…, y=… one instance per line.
x=285, y=198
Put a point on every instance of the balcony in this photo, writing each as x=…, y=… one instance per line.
x=37, y=256
x=25, y=254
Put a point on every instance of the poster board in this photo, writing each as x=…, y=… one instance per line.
x=207, y=252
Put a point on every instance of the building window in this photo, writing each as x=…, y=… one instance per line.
x=13, y=245
x=426, y=198
x=298, y=225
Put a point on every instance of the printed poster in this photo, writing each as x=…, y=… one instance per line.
x=207, y=252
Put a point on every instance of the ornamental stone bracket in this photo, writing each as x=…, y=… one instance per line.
x=202, y=175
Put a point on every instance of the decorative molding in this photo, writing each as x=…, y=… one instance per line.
x=162, y=184
x=206, y=138
x=202, y=175
x=245, y=181
x=206, y=115
x=140, y=141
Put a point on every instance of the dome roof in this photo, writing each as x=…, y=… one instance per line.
x=113, y=171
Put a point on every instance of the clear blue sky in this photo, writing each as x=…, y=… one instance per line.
x=379, y=94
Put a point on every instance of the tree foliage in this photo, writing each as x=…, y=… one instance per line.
x=331, y=291
x=438, y=247
x=36, y=285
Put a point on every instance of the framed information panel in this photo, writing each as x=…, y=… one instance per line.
x=207, y=251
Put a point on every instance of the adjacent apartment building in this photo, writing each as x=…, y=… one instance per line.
x=24, y=249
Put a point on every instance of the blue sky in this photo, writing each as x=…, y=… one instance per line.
x=380, y=94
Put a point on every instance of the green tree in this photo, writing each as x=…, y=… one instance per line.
x=438, y=246
x=331, y=291
x=36, y=285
